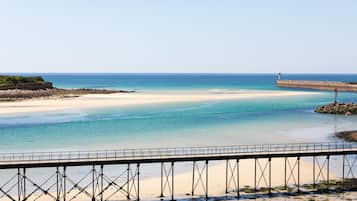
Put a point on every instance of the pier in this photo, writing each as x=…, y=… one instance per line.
x=59, y=186
x=318, y=85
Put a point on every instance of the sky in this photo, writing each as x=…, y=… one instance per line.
x=179, y=36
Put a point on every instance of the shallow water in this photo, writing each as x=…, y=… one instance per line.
x=248, y=121
x=253, y=121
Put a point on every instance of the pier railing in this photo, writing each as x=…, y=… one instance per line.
x=178, y=152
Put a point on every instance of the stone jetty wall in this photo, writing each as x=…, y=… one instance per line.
x=320, y=85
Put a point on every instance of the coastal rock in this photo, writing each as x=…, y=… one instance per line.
x=350, y=136
x=23, y=87
x=338, y=108
x=348, y=113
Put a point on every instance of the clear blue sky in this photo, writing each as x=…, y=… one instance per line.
x=179, y=36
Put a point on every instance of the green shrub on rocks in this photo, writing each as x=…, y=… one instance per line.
x=21, y=82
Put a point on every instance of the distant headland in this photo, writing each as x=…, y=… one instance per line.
x=23, y=83
x=24, y=87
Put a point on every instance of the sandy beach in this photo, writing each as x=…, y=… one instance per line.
x=217, y=175
x=94, y=101
x=150, y=185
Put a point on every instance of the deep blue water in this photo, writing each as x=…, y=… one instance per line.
x=181, y=81
x=253, y=121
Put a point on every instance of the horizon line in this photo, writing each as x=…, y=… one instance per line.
x=212, y=73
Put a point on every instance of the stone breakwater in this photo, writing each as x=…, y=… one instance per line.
x=318, y=85
x=338, y=108
x=16, y=94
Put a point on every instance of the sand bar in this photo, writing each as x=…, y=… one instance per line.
x=94, y=101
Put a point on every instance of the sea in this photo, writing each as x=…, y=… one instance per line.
x=206, y=123
x=224, y=122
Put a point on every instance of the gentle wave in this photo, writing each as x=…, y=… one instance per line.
x=44, y=118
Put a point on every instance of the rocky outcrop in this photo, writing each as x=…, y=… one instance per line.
x=24, y=87
x=350, y=136
x=338, y=108
x=28, y=86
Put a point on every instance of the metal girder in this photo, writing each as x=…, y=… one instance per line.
x=349, y=171
x=167, y=180
x=321, y=166
x=262, y=173
x=232, y=176
x=200, y=177
x=292, y=172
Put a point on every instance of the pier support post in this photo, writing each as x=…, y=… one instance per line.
x=227, y=176
x=138, y=182
x=162, y=180
x=206, y=179
x=313, y=172
x=64, y=183
x=328, y=172
x=269, y=161
x=193, y=177
x=343, y=171
x=298, y=183
x=285, y=182
x=93, y=183
x=18, y=184
x=57, y=184
x=172, y=181
x=128, y=182
x=238, y=192
x=255, y=175
x=24, y=183
x=101, y=182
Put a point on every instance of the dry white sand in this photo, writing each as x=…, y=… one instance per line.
x=133, y=99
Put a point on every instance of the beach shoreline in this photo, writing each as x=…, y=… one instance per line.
x=12, y=95
x=98, y=101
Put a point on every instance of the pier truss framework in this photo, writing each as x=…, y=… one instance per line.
x=96, y=184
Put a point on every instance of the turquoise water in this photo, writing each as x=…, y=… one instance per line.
x=253, y=121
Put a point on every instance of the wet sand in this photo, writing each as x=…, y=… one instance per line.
x=94, y=101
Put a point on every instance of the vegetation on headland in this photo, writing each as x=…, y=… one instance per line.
x=338, y=108
x=350, y=136
x=8, y=82
x=21, y=87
